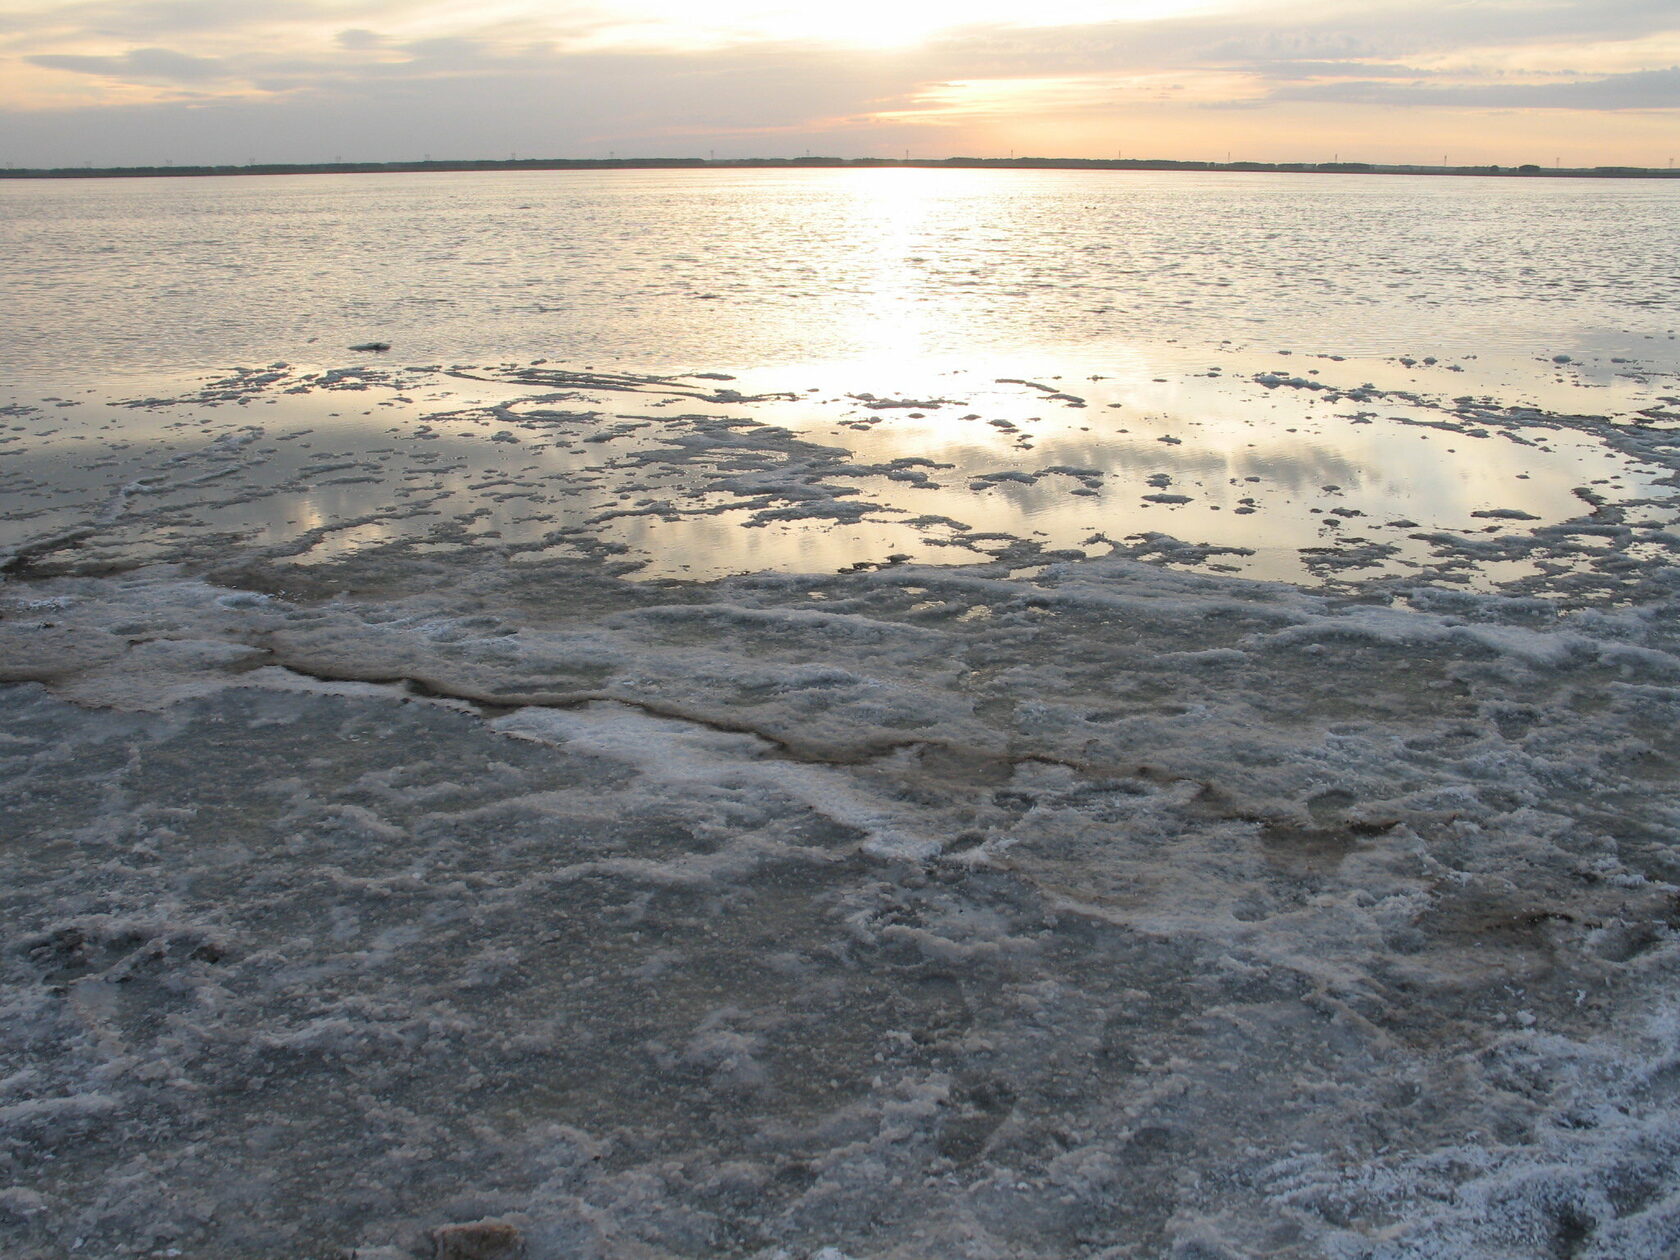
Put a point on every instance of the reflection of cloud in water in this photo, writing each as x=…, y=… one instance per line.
x=1306, y=468
x=675, y=480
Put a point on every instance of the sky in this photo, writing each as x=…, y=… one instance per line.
x=105, y=82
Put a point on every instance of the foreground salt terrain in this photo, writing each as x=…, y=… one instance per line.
x=1056, y=903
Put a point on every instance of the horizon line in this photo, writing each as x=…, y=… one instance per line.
x=170, y=169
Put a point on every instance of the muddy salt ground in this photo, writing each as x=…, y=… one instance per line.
x=786, y=815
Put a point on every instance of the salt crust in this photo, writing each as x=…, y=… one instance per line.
x=1151, y=914
x=1040, y=908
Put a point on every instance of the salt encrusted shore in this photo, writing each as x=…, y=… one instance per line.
x=1038, y=907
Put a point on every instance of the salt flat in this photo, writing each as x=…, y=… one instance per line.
x=1174, y=799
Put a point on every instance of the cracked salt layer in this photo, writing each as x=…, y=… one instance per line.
x=1152, y=913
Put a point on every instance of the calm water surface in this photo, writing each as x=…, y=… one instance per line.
x=756, y=267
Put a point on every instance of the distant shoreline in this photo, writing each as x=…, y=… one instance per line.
x=1526, y=171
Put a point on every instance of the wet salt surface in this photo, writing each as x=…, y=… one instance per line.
x=1279, y=467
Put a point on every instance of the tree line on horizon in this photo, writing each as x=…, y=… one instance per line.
x=656, y=163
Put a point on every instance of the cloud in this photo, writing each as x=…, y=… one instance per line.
x=641, y=103
x=1641, y=89
x=1337, y=70
x=152, y=19
x=142, y=65
x=1399, y=30
x=404, y=77
x=448, y=50
x=1387, y=33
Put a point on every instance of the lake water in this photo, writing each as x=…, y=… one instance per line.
x=693, y=270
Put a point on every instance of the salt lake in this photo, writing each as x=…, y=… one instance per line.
x=867, y=713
